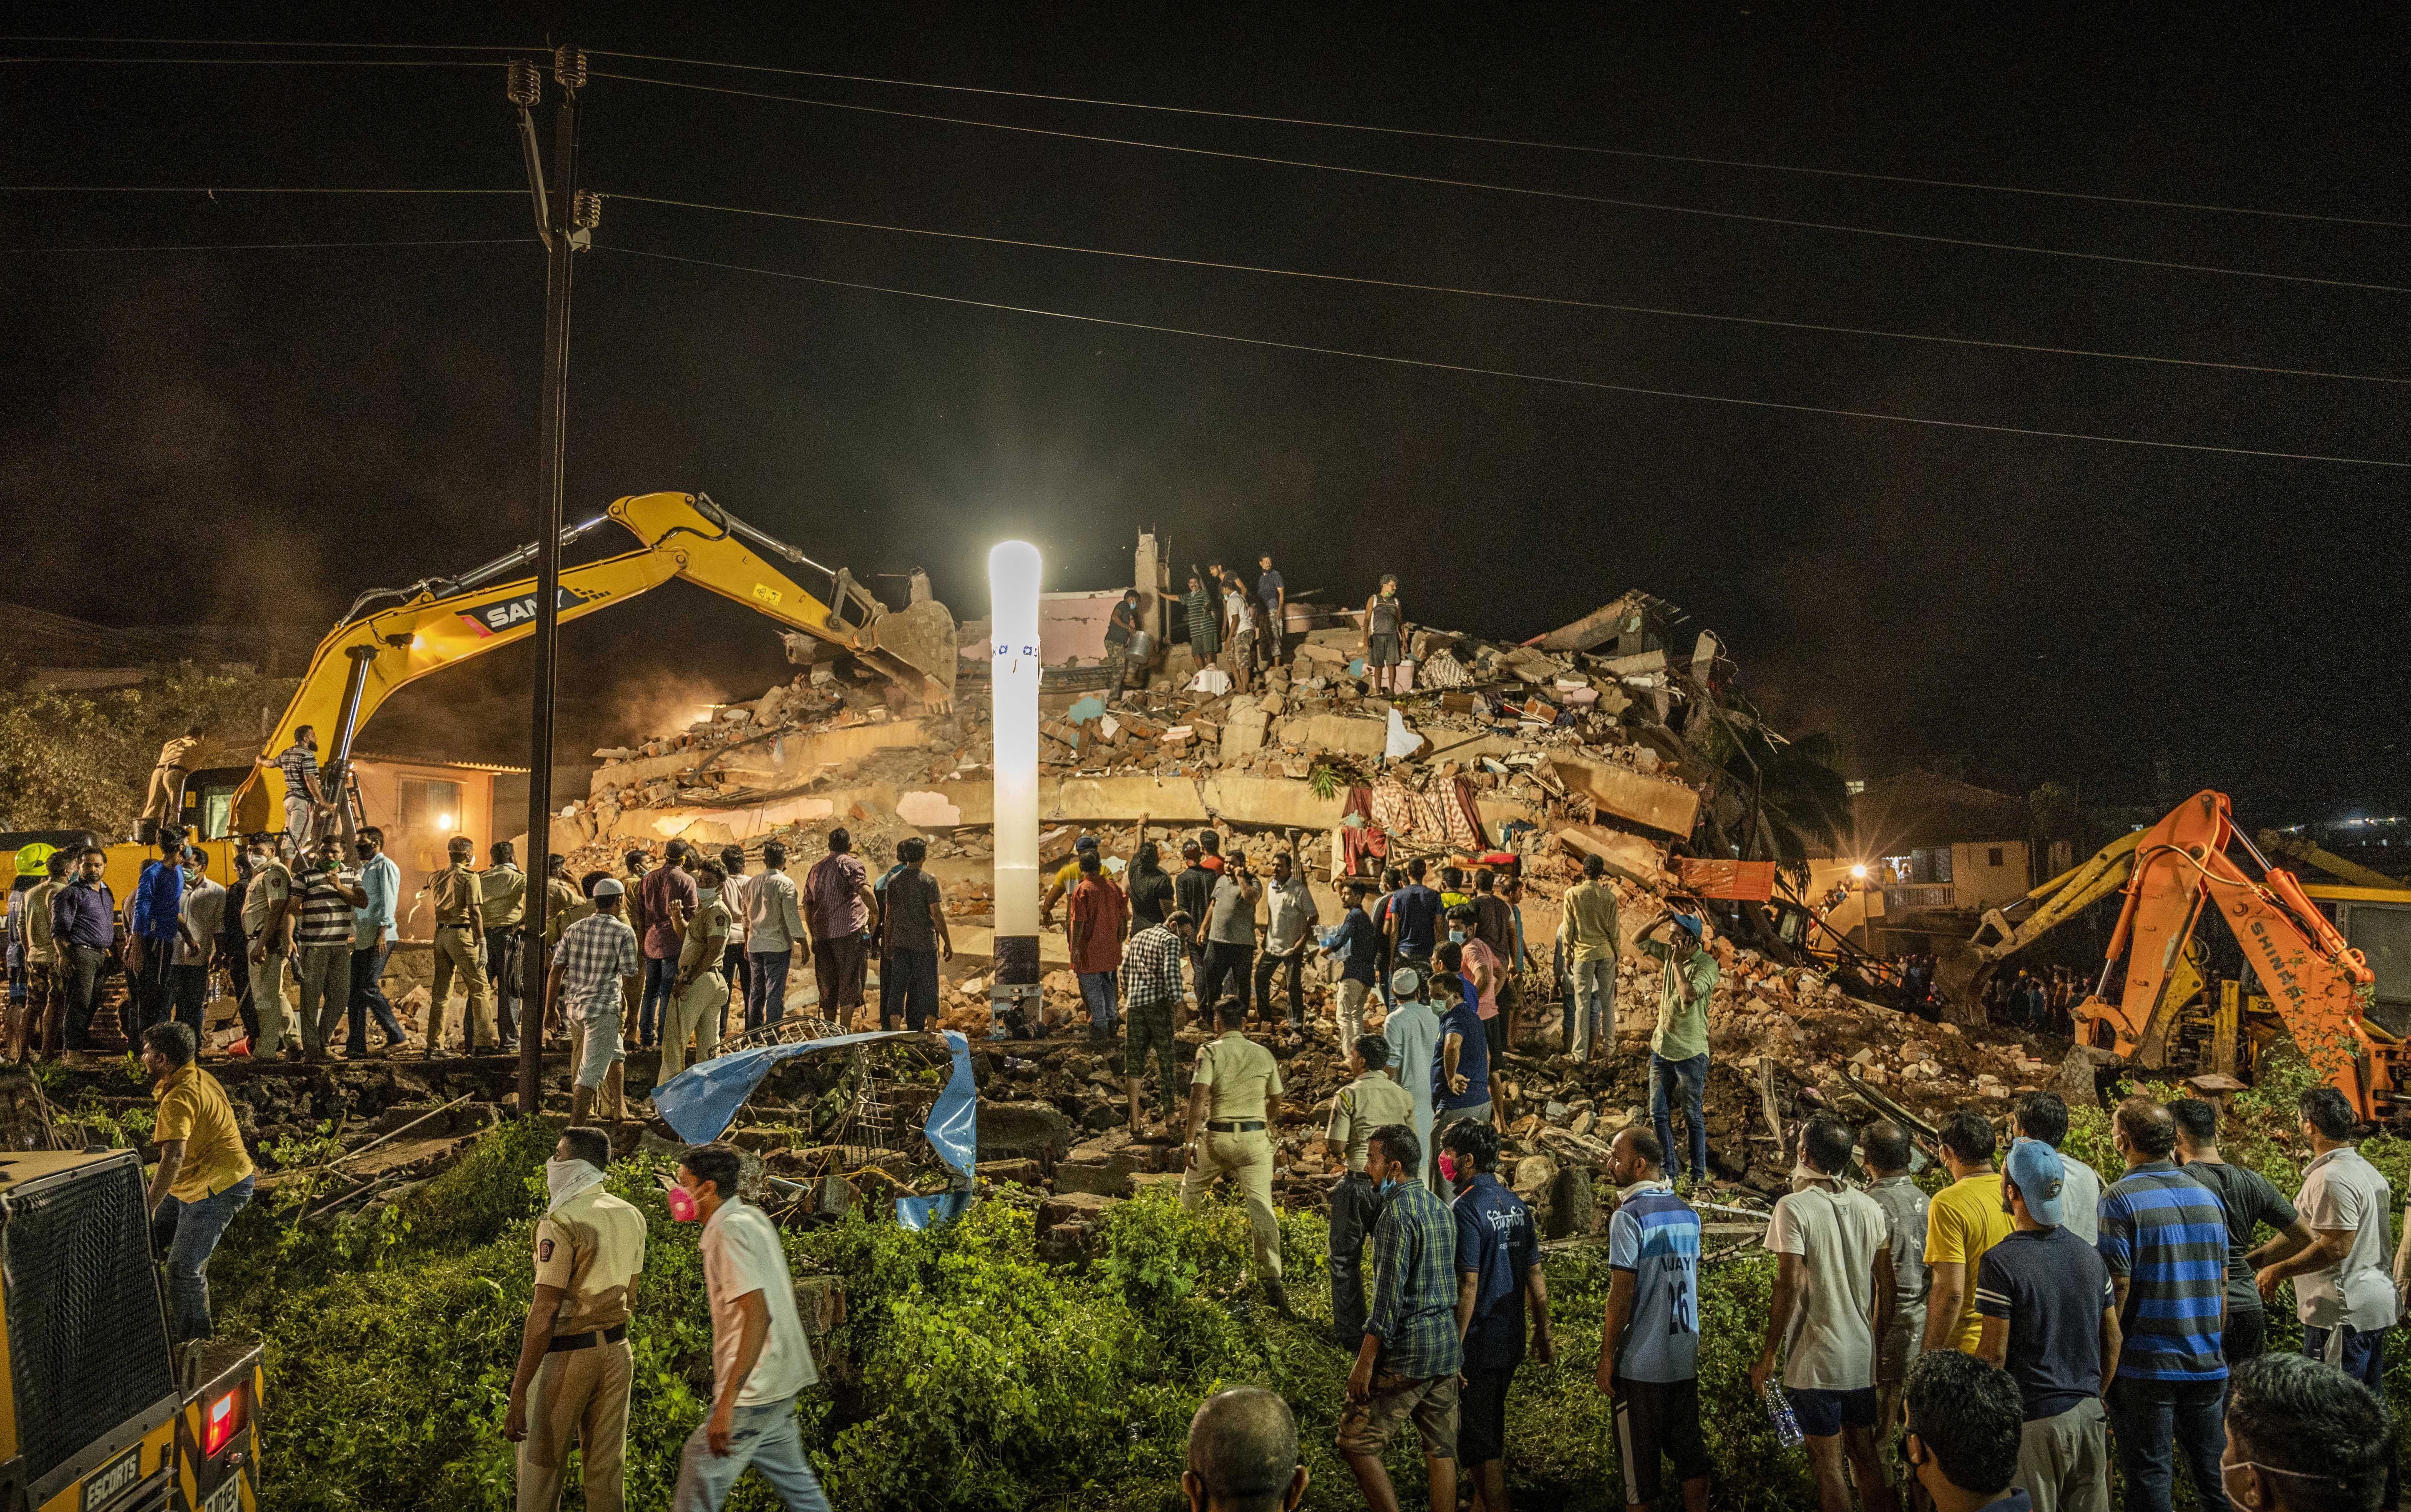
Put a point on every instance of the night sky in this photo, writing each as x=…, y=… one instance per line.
x=228, y=434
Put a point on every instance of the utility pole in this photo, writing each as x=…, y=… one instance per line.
x=566, y=219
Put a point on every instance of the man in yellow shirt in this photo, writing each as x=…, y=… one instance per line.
x=1961, y=1224
x=204, y=1175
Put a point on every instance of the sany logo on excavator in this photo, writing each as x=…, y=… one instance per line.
x=493, y=619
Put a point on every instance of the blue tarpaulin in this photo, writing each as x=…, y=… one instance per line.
x=953, y=1126
x=702, y=1100
x=929, y=1212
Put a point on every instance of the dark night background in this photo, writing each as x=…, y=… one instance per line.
x=223, y=435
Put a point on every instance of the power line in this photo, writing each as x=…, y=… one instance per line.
x=292, y=63
x=1518, y=141
x=1526, y=377
x=220, y=189
x=288, y=246
x=1520, y=298
x=1513, y=189
x=211, y=42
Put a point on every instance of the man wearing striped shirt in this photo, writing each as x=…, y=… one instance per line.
x=2164, y=1239
x=327, y=893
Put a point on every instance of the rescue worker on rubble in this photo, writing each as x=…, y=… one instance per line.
x=597, y=955
x=1234, y=1098
x=1678, y=1050
x=575, y=1367
x=502, y=889
x=164, y=805
x=699, y=998
x=460, y=947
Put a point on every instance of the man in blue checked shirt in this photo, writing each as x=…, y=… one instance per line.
x=1407, y=1366
x=2164, y=1239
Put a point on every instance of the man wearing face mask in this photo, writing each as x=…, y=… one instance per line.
x=303, y=800
x=373, y=935
x=575, y=1367
x=198, y=919
x=2303, y=1436
x=268, y=915
x=700, y=996
x=1407, y=1366
x=501, y=893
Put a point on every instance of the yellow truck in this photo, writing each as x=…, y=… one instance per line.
x=97, y=1413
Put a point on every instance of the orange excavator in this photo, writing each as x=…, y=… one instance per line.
x=2320, y=986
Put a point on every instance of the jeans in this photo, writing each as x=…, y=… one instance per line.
x=1097, y=990
x=2362, y=1356
x=152, y=1000
x=368, y=996
x=1355, y=1207
x=188, y=990
x=2153, y=1421
x=80, y=974
x=196, y=1226
x=1691, y=1077
x=732, y=966
x=1268, y=963
x=766, y=1437
x=766, y=986
x=326, y=972
x=661, y=982
x=1226, y=974
x=1590, y=1009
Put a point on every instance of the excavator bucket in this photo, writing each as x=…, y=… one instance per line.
x=915, y=643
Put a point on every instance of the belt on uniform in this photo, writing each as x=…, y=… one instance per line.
x=1245, y=1126
x=457, y=923
x=562, y=1342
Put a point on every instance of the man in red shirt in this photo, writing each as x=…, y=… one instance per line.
x=669, y=899
x=838, y=902
x=1100, y=917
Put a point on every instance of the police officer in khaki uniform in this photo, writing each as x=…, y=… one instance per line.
x=1235, y=1097
x=460, y=946
x=574, y=1368
x=501, y=893
x=700, y=995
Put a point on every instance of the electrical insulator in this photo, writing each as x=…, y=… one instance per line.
x=588, y=210
x=525, y=86
x=569, y=66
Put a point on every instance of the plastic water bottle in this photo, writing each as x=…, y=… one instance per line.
x=1778, y=1412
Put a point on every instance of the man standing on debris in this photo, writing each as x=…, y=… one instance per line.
x=595, y=956
x=574, y=1368
x=502, y=896
x=150, y=933
x=1358, y=946
x=1414, y=924
x=373, y=933
x=1192, y=894
x=327, y=896
x=1067, y=877
x=760, y=1361
x=1239, y=634
x=1392, y=881
x=460, y=948
x=2050, y=1317
x=303, y=800
x=204, y=1175
x=1371, y=1101
x=1273, y=595
x=1384, y=625
x=2341, y=1292
x=1099, y=918
x=268, y=923
x=1649, y=1349
x=1833, y=1300
x=916, y=938
x=1151, y=992
x=1678, y=1050
x=1484, y=971
x=1120, y=626
x=164, y=804
x=773, y=935
x=1412, y=1029
x=200, y=917
x=736, y=896
x=2042, y=1116
x=1407, y=1366
x=1462, y=1088
x=1204, y=632
x=1289, y=918
x=837, y=902
x=1498, y=1268
x=1886, y=1149
x=2250, y=1201
x=667, y=893
x=700, y=995
x=1590, y=931
x=1962, y=1223
x=83, y=931
x=1151, y=887
x=1235, y=1097
x=2164, y=1238
x=1230, y=934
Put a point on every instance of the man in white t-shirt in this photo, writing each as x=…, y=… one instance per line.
x=759, y=1358
x=1833, y=1300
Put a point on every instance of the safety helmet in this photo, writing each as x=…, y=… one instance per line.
x=34, y=859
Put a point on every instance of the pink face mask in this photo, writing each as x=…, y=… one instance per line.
x=682, y=1206
x=1448, y=1167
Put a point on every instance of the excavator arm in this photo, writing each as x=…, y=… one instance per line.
x=2320, y=985
x=1964, y=974
x=440, y=622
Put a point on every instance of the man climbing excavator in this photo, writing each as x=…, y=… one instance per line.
x=438, y=622
x=2322, y=987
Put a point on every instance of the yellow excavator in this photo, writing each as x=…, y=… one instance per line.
x=394, y=636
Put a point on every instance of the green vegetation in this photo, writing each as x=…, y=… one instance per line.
x=78, y=760
x=967, y=1373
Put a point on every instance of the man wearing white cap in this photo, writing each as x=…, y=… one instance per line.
x=2051, y=1318
x=595, y=954
x=1413, y=1032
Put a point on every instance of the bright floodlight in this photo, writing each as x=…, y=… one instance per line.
x=1013, y=682
x=1859, y=873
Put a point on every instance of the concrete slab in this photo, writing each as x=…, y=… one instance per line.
x=783, y=759
x=1659, y=802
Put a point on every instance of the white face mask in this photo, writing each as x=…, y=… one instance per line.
x=566, y=1179
x=707, y=894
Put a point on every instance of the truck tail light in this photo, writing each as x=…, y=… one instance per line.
x=222, y=1421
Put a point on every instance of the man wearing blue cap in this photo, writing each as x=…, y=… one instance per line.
x=1678, y=1050
x=2051, y=1318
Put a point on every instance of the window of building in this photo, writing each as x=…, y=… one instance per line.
x=430, y=807
x=1992, y=856
x=1854, y=787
